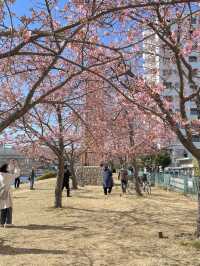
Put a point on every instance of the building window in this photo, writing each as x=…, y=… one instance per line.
x=185, y=155
x=193, y=87
x=175, y=71
x=164, y=72
x=177, y=85
x=195, y=71
x=195, y=45
x=166, y=60
x=192, y=59
x=193, y=20
x=168, y=85
x=193, y=111
x=168, y=98
x=167, y=72
x=196, y=138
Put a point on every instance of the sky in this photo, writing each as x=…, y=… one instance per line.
x=21, y=7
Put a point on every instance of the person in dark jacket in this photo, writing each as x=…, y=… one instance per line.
x=144, y=178
x=17, y=182
x=107, y=180
x=67, y=175
x=123, y=176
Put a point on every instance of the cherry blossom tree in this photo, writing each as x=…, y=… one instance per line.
x=62, y=39
x=170, y=39
x=125, y=131
x=42, y=52
x=61, y=44
x=50, y=131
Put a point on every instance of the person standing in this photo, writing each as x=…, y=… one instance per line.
x=107, y=180
x=17, y=182
x=123, y=175
x=32, y=178
x=67, y=175
x=144, y=181
x=8, y=172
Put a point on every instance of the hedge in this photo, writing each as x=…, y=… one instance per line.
x=46, y=176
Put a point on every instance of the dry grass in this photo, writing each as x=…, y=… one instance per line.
x=94, y=231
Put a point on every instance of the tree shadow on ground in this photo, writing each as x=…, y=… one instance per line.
x=89, y=258
x=8, y=250
x=101, y=210
x=50, y=227
x=136, y=216
x=16, y=197
x=85, y=191
x=88, y=197
x=49, y=189
x=167, y=197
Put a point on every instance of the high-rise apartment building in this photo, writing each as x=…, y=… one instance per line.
x=160, y=69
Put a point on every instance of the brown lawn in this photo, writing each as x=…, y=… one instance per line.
x=91, y=230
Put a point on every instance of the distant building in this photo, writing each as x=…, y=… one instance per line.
x=159, y=69
x=8, y=153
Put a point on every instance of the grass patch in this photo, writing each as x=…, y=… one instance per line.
x=193, y=243
x=47, y=176
x=196, y=244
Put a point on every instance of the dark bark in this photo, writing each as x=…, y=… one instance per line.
x=74, y=179
x=61, y=162
x=134, y=161
x=59, y=182
x=137, y=180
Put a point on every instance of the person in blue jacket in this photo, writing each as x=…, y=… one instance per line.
x=107, y=180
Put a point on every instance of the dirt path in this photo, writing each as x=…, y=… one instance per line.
x=91, y=230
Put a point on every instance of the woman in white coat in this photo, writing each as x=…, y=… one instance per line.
x=8, y=173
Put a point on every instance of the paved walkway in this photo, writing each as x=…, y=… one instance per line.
x=92, y=230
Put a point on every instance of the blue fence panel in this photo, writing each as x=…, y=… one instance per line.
x=185, y=184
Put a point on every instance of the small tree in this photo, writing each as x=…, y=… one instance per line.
x=163, y=159
x=53, y=126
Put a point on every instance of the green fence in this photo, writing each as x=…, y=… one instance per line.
x=184, y=184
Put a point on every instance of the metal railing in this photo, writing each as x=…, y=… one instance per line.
x=185, y=184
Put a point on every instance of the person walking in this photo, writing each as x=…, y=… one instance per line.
x=67, y=175
x=32, y=178
x=144, y=181
x=107, y=180
x=8, y=172
x=17, y=182
x=123, y=176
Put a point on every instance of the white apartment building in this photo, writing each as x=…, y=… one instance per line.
x=159, y=69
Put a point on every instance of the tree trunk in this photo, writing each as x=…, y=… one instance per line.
x=137, y=181
x=198, y=204
x=74, y=179
x=59, y=183
x=61, y=161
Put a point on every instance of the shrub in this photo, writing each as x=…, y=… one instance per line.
x=46, y=176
